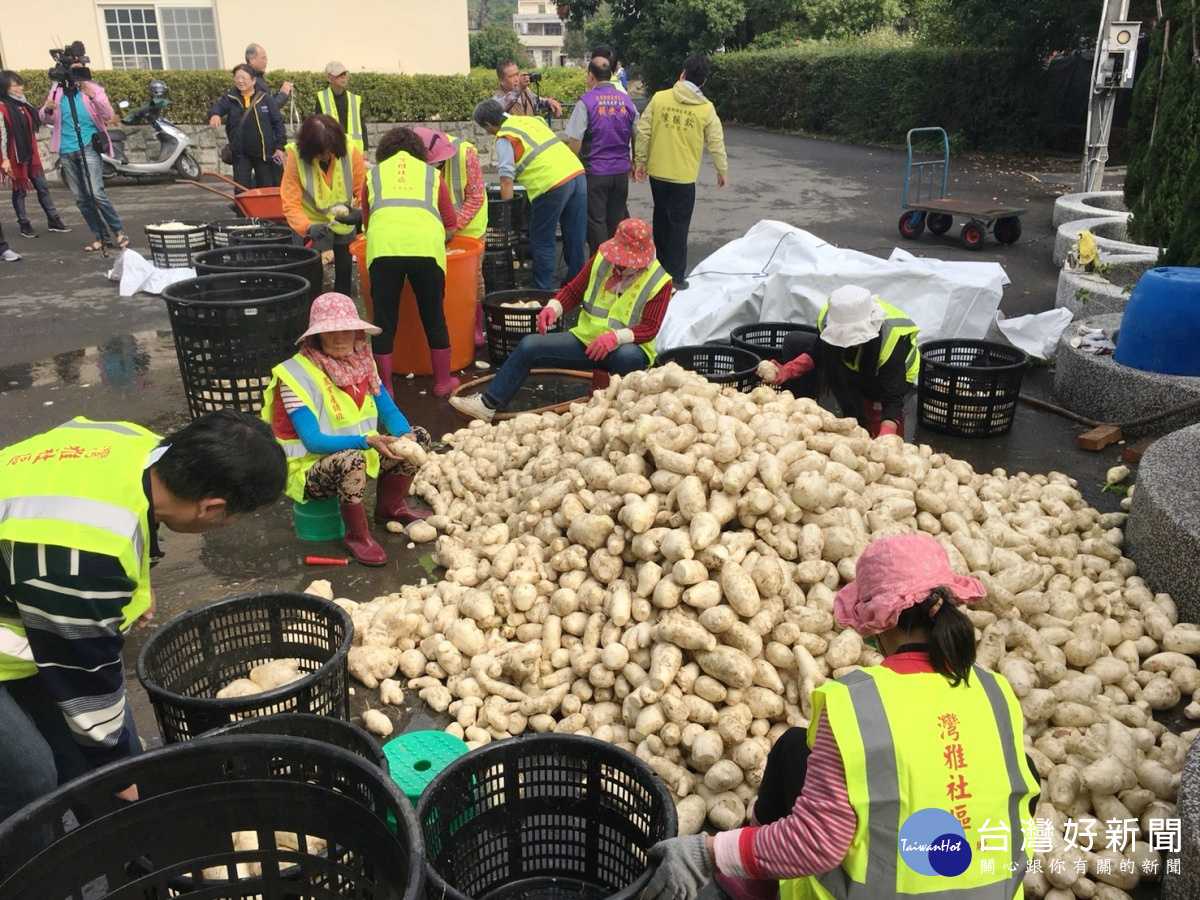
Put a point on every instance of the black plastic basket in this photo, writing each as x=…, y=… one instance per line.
x=222, y=228
x=506, y=222
x=506, y=325
x=185, y=663
x=230, y=331
x=338, y=732
x=302, y=261
x=543, y=817
x=176, y=249
x=969, y=388
x=192, y=799
x=718, y=363
x=499, y=270
x=266, y=233
x=765, y=339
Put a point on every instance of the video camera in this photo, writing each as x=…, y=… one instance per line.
x=534, y=77
x=70, y=65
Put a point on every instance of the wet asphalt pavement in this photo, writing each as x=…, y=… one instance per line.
x=71, y=346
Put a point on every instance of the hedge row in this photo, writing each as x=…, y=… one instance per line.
x=985, y=99
x=386, y=97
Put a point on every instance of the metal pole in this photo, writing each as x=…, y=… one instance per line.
x=1101, y=103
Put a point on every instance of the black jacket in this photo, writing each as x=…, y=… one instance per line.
x=263, y=133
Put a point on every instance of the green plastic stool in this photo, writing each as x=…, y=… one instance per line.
x=318, y=520
x=415, y=758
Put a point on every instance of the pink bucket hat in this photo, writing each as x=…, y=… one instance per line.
x=893, y=574
x=438, y=148
x=335, y=312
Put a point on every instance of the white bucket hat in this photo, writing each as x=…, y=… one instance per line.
x=853, y=318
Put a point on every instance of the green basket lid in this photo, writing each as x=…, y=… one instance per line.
x=416, y=757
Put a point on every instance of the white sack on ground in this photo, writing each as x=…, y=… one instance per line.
x=136, y=273
x=1036, y=334
x=778, y=273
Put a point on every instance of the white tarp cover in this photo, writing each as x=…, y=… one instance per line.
x=136, y=273
x=778, y=273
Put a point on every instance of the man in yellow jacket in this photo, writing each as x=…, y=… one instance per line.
x=675, y=128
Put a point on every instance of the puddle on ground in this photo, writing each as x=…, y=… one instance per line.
x=122, y=361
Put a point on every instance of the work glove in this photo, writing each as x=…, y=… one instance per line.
x=683, y=869
x=546, y=318
x=353, y=217
x=801, y=365
x=602, y=346
x=321, y=236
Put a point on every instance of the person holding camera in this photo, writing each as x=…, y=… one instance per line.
x=323, y=178
x=514, y=96
x=254, y=129
x=78, y=108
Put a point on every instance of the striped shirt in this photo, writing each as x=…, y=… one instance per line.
x=71, y=605
x=816, y=836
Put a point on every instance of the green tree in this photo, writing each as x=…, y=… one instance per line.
x=846, y=18
x=1164, y=137
x=575, y=44
x=495, y=44
x=490, y=12
x=1033, y=27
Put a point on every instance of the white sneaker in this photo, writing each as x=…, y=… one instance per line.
x=10, y=256
x=474, y=407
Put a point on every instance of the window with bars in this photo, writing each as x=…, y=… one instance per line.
x=161, y=37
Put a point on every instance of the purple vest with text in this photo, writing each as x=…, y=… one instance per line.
x=605, y=149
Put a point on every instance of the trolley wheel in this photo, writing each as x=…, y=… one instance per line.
x=912, y=224
x=973, y=235
x=939, y=223
x=1007, y=230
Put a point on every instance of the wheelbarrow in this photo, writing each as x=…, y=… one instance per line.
x=925, y=202
x=252, y=203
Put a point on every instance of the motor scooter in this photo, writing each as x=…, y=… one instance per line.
x=174, y=154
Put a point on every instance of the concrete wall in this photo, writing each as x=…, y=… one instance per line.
x=410, y=36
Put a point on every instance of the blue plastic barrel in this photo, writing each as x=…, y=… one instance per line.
x=1160, y=331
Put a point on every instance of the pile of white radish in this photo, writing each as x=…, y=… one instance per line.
x=657, y=568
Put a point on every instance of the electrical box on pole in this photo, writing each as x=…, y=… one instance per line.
x=1112, y=70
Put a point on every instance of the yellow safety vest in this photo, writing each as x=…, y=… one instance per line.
x=546, y=161
x=678, y=138
x=604, y=310
x=354, y=124
x=404, y=221
x=895, y=326
x=336, y=414
x=78, y=486
x=317, y=198
x=912, y=742
x=456, y=167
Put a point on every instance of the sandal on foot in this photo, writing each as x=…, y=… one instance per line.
x=122, y=241
x=93, y=247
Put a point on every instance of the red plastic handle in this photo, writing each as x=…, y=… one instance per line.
x=325, y=561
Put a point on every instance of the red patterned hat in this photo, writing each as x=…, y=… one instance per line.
x=632, y=245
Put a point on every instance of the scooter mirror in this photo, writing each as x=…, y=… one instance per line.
x=124, y=104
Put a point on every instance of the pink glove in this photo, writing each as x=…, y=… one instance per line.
x=546, y=318
x=887, y=427
x=801, y=365
x=602, y=346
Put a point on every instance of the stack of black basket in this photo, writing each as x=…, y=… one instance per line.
x=508, y=225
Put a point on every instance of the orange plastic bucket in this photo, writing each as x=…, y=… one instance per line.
x=462, y=286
